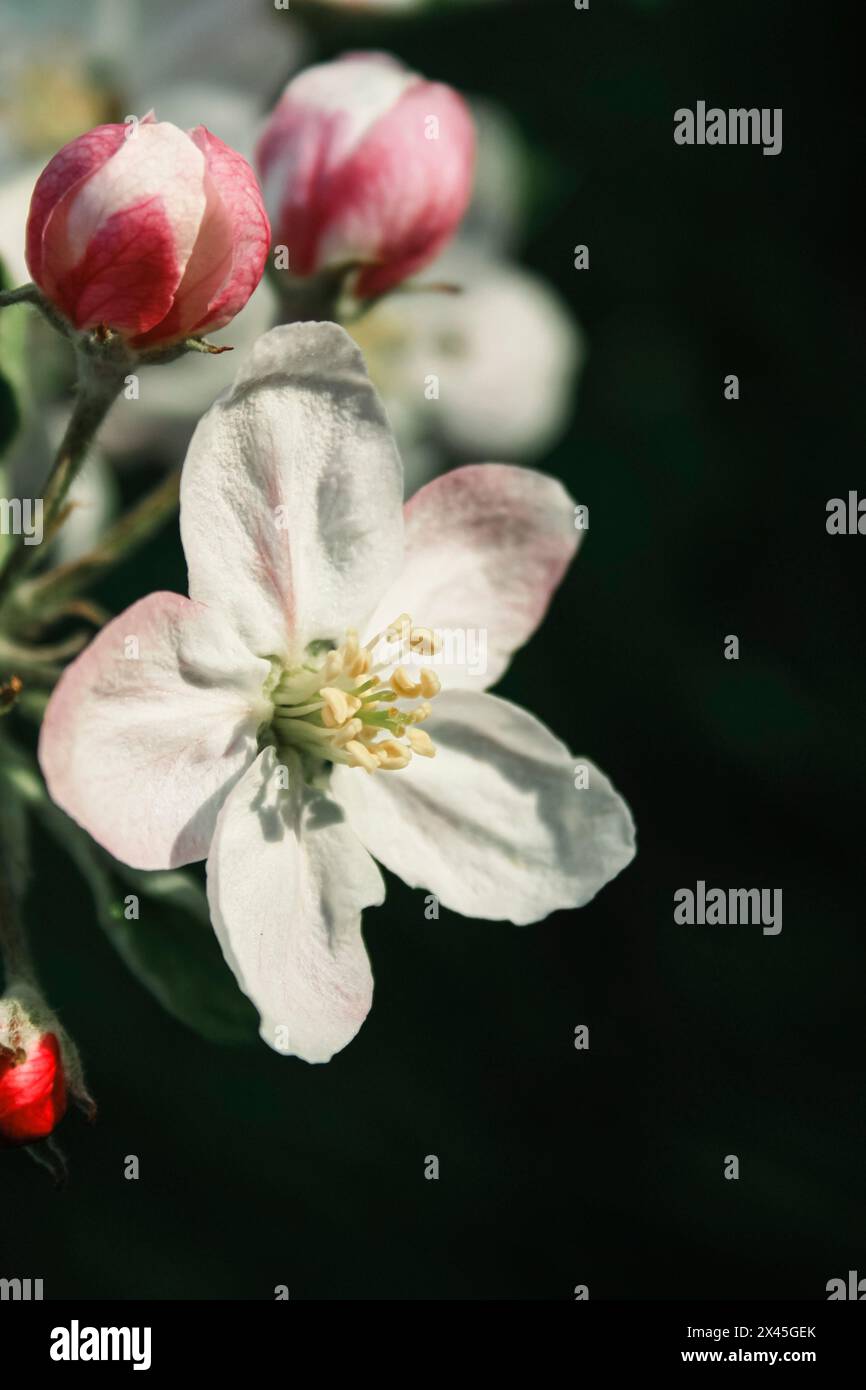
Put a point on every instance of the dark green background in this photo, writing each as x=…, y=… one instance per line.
x=707, y=518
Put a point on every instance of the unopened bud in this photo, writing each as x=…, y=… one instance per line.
x=39, y=1068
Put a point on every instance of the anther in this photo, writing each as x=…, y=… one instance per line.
x=425, y=641
x=333, y=666
x=348, y=731
x=392, y=756
x=421, y=743
x=359, y=756
x=395, y=631
x=403, y=683
x=338, y=706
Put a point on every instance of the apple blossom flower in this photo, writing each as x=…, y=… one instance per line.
x=364, y=162
x=158, y=233
x=32, y=1080
x=290, y=721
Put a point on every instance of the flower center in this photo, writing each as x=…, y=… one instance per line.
x=342, y=707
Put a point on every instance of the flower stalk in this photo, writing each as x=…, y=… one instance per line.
x=15, y=950
x=314, y=298
x=103, y=363
x=55, y=594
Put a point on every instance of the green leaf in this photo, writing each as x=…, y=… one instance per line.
x=171, y=948
x=173, y=951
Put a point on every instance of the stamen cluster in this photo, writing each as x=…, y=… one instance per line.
x=343, y=706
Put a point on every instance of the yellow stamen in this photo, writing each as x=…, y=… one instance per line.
x=333, y=666
x=344, y=707
x=394, y=631
x=352, y=730
x=359, y=756
x=392, y=756
x=404, y=685
x=419, y=714
x=425, y=641
x=360, y=666
x=421, y=743
x=338, y=706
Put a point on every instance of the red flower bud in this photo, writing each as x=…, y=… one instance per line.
x=158, y=233
x=32, y=1083
x=365, y=162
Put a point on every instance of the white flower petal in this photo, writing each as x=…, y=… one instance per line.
x=486, y=546
x=291, y=494
x=150, y=727
x=287, y=882
x=493, y=824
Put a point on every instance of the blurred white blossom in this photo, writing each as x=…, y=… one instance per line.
x=502, y=357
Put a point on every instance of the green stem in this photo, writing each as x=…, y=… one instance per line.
x=313, y=298
x=14, y=947
x=100, y=379
x=48, y=593
x=31, y=294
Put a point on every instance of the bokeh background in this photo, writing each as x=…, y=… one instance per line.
x=707, y=518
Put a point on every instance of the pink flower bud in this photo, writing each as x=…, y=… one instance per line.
x=158, y=233
x=32, y=1082
x=365, y=161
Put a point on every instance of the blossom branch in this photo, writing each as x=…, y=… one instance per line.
x=55, y=593
x=14, y=946
x=31, y=294
x=103, y=363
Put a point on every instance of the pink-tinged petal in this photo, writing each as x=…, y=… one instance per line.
x=293, y=157
x=364, y=161
x=234, y=180
x=420, y=189
x=494, y=824
x=127, y=276
x=485, y=549
x=322, y=117
x=156, y=161
x=71, y=165
x=287, y=882
x=116, y=245
x=150, y=728
x=229, y=255
x=359, y=88
x=291, y=514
